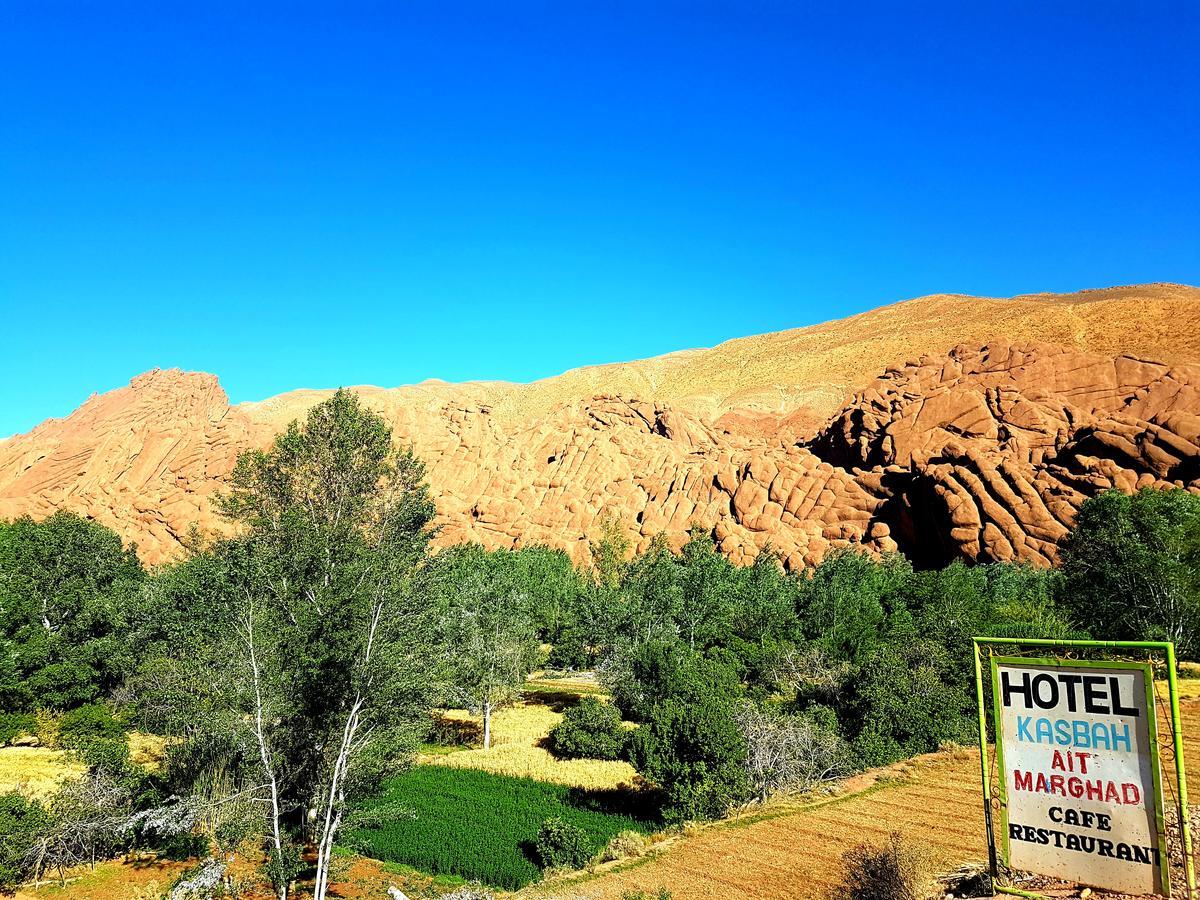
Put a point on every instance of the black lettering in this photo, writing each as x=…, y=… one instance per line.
x=1056, y=818
x=1007, y=688
x=1093, y=694
x=1049, y=682
x=1106, y=847
x=1116, y=698
x=1071, y=681
x=1014, y=832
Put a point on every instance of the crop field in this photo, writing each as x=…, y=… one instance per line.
x=517, y=737
x=477, y=825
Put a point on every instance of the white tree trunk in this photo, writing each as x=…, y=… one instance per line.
x=263, y=751
x=487, y=724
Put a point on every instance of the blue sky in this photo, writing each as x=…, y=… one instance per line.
x=320, y=194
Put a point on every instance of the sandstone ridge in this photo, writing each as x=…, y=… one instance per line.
x=981, y=448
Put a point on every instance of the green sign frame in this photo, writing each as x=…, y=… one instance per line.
x=1168, y=650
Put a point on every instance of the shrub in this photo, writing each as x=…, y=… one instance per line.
x=695, y=753
x=897, y=870
x=626, y=845
x=560, y=845
x=86, y=725
x=13, y=725
x=22, y=823
x=590, y=730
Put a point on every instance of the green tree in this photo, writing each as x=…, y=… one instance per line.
x=330, y=637
x=489, y=630
x=1131, y=567
x=846, y=602
x=708, y=582
x=23, y=824
x=65, y=588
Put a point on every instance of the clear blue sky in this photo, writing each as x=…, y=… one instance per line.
x=320, y=194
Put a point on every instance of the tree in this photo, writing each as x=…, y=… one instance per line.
x=23, y=823
x=1131, y=567
x=330, y=635
x=65, y=588
x=708, y=582
x=489, y=631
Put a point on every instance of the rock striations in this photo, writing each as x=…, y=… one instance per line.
x=982, y=450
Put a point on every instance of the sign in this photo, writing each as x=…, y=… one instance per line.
x=1077, y=750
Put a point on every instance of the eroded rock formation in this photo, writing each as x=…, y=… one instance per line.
x=983, y=452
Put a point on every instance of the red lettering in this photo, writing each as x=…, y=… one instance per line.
x=1056, y=785
x=1057, y=762
x=1133, y=795
x=1083, y=758
x=1075, y=787
x=1022, y=781
x=1110, y=793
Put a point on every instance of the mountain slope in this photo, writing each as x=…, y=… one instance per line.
x=784, y=439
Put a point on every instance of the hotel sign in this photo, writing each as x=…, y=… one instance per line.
x=1077, y=750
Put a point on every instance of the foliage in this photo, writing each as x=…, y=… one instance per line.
x=65, y=585
x=695, y=753
x=591, y=729
x=87, y=724
x=643, y=675
x=1131, y=567
x=22, y=824
x=488, y=626
x=15, y=724
x=561, y=845
x=897, y=870
x=481, y=826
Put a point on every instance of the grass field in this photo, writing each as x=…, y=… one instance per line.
x=477, y=825
x=517, y=737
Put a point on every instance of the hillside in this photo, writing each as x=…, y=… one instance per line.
x=977, y=424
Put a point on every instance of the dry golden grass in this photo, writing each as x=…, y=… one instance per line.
x=147, y=750
x=517, y=733
x=36, y=771
x=39, y=771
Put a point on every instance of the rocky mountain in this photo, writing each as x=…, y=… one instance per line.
x=982, y=444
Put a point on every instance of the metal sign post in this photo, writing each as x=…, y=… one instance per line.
x=1078, y=794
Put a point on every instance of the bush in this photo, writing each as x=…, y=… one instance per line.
x=590, y=730
x=695, y=753
x=895, y=871
x=626, y=845
x=13, y=725
x=86, y=725
x=22, y=822
x=560, y=845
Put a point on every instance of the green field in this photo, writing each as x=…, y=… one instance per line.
x=481, y=826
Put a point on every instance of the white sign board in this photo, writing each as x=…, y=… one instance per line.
x=1077, y=749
